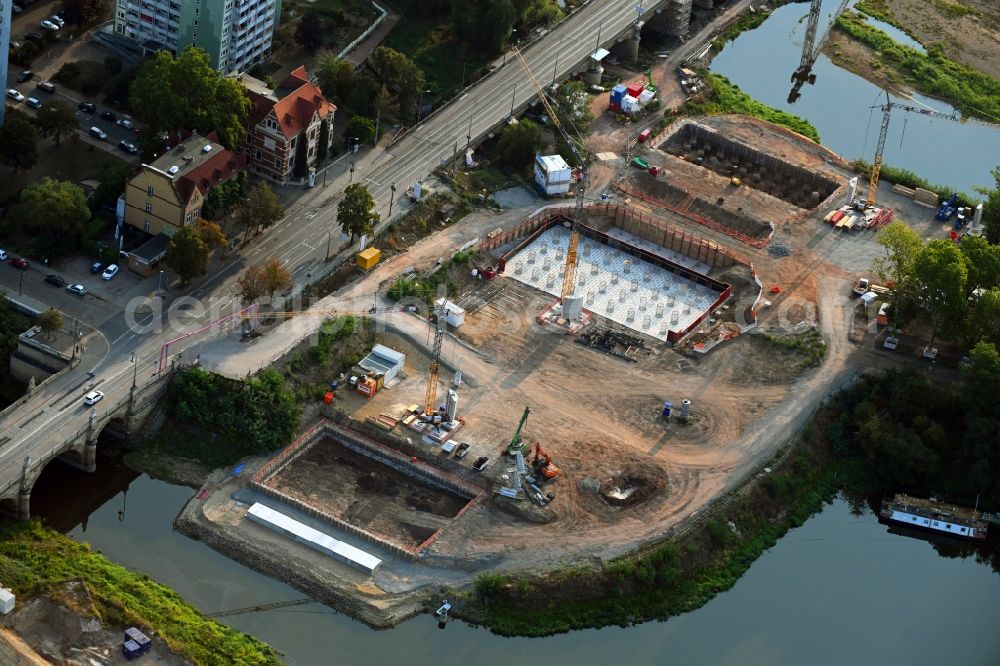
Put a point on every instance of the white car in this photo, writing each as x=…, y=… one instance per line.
x=125, y=123
x=98, y=133
x=48, y=25
x=110, y=272
x=93, y=398
x=3, y=255
x=14, y=95
x=77, y=289
x=58, y=20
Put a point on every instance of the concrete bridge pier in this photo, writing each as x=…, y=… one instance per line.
x=630, y=46
x=90, y=448
x=24, y=493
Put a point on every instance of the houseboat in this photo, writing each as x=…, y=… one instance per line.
x=934, y=516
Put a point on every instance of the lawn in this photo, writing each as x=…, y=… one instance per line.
x=74, y=160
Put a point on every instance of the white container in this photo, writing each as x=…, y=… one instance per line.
x=6, y=601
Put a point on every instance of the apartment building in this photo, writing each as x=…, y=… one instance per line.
x=280, y=119
x=235, y=33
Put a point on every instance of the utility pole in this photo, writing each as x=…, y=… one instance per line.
x=468, y=135
x=351, y=179
x=329, y=238
x=512, y=95
x=20, y=283
x=454, y=159
x=392, y=197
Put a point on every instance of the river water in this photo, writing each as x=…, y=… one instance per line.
x=944, y=152
x=838, y=590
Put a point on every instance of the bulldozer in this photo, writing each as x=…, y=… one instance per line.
x=545, y=469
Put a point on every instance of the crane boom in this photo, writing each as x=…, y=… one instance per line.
x=880, y=146
x=810, y=49
x=569, y=270
x=430, y=397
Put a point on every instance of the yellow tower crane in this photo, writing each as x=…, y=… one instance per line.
x=887, y=108
x=569, y=271
x=430, y=397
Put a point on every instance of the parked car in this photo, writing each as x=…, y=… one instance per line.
x=128, y=147
x=3, y=255
x=56, y=280
x=48, y=25
x=93, y=398
x=34, y=103
x=58, y=20
x=14, y=95
x=77, y=289
x=110, y=272
x=126, y=123
x=16, y=9
x=96, y=267
x=19, y=263
x=13, y=46
x=25, y=76
x=109, y=116
x=33, y=37
x=98, y=133
x=86, y=107
x=47, y=86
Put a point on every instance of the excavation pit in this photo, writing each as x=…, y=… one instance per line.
x=627, y=489
x=366, y=488
x=708, y=148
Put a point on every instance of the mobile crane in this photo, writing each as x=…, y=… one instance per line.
x=515, y=441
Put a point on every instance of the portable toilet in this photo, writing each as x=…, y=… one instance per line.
x=368, y=257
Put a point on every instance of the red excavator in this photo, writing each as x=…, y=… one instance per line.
x=544, y=468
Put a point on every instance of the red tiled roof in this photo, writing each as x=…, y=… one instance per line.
x=296, y=78
x=295, y=111
x=214, y=171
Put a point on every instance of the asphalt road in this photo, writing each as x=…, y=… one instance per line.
x=300, y=238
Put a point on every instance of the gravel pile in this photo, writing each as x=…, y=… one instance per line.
x=779, y=249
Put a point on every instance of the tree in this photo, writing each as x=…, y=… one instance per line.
x=53, y=213
x=991, y=210
x=223, y=199
x=323, y=146
x=400, y=75
x=941, y=274
x=301, y=157
x=56, y=120
x=901, y=245
x=356, y=211
x=261, y=209
x=252, y=284
x=211, y=234
x=335, y=76
x=187, y=253
x=574, y=106
x=310, y=31
x=981, y=377
x=50, y=322
x=83, y=11
x=362, y=128
x=983, y=320
x=519, y=143
x=18, y=142
x=185, y=92
x=112, y=182
x=983, y=259
x=362, y=92
x=485, y=25
x=276, y=276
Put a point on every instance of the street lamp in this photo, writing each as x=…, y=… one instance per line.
x=512, y=96
x=135, y=369
x=351, y=179
x=20, y=283
x=160, y=288
x=513, y=34
x=392, y=197
x=420, y=103
x=351, y=138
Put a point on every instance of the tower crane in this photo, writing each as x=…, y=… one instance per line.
x=884, y=129
x=430, y=397
x=810, y=49
x=569, y=271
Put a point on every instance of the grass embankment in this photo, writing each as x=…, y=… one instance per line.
x=887, y=433
x=972, y=92
x=725, y=97
x=907, y=178
x=34, y=560
x=447, y=278
x=744, y=23
x=810, y=345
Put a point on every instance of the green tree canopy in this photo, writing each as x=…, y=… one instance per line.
x=186, y=93
x=57, y=120
x=356, y=211
x=309, y=32
x=485, y=25
x=983, y=321
x=518, y=144
x=50, y=322
x=54, y=212
x=187, y=253
x=983, y=259
x=323, y=144
x=901, y=245
x=277, y=277
x=18, y=142
x=991, y=209
x=261, y=209
x=941, y=273
x=84, y=11
x=362, y=128
x=335, y=76
x=402, y=77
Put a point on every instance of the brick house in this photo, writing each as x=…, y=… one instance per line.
x=282, y=118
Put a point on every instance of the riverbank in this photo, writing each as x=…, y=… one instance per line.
x=837, y=452
x=874, y=55
x=37, y=562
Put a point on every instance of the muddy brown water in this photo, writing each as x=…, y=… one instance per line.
x=839, y=590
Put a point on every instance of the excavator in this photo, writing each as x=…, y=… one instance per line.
x=545, y=469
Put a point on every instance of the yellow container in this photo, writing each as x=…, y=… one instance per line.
x=368, y=258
